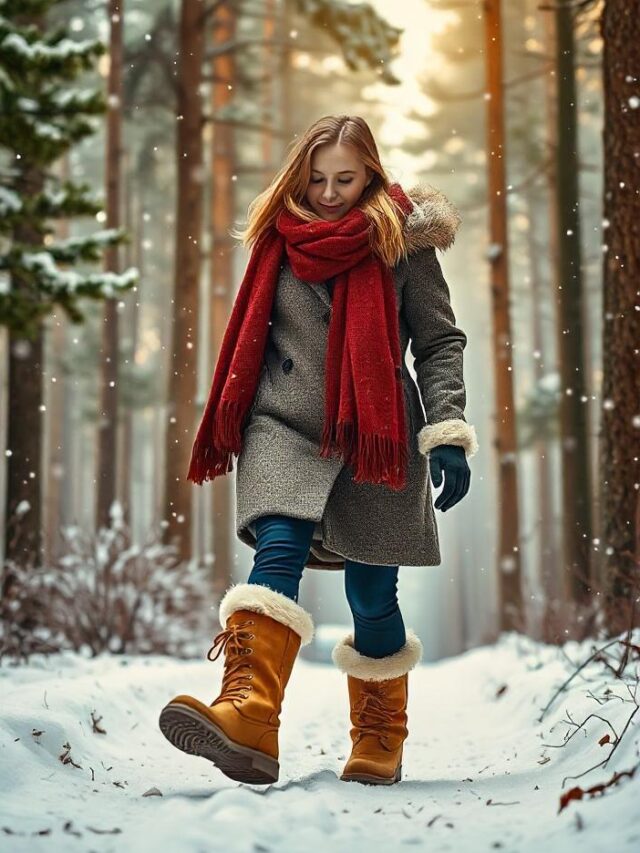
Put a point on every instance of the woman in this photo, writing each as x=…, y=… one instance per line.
x=312, y=394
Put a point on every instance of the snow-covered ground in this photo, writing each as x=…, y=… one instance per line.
x=478, y=772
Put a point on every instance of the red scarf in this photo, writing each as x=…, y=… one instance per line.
x=364, y=397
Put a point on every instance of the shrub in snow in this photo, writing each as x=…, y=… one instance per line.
x=105, y=593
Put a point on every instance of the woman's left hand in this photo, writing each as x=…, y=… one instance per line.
x=453, y=461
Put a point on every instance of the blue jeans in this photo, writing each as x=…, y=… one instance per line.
x=282, y=548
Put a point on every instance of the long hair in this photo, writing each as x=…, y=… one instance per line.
x=289, y=187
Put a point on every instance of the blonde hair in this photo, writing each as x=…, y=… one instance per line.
x=289, y=186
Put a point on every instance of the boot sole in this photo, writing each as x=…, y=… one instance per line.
x=368, y=779
x=190, y=732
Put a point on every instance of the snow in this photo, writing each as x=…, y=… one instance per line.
x=27, y=105
x=22, y=509
x=72, y=99
x=45, y=129
x=9, y=201
x=104, y=237
x=479, y=771
x=5, y=80
x=67, y=101
x=38, y=50
x=108, y=283
x=550, y=382
x=55, y=198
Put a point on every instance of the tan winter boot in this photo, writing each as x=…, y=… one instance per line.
x=238, y=731
x=378, y=692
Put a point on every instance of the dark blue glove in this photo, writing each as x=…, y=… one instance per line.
x=453, y=461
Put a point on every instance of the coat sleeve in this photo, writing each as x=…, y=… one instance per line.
x=437, y=346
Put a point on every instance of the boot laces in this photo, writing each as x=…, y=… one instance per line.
x=372, y=706
x=231, y=640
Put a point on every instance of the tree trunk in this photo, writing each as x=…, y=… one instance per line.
x=126, y=476
x=574, y=423
x=109, y=392
x=286, y=75
x=55, y=395
x=268, y=101
x=23, y=536
x=221, y=289
x=620, y=431
x=509, y=568
x=184, y=333
x=23, y=531
x=548, y=576
x=551, y=555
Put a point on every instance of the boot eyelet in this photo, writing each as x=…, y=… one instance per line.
x=252, y=636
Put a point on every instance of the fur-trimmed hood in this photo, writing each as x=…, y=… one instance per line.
x=433, y=221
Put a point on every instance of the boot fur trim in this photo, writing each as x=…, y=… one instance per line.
x=262, y=599
x=454, y=431
x=347, y=659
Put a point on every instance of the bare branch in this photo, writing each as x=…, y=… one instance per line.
x=238, y=44
x=572, y=4
x=573, y=675
x=245, y=125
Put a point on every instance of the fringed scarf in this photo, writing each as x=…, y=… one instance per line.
x=364, y=398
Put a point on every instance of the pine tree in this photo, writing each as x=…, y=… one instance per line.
x=42, y=118
x=43, y=115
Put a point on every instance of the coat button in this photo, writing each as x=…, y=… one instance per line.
x=287, y=364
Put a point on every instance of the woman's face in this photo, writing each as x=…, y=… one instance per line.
x=338, y=177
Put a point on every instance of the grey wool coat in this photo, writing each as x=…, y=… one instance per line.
x=280, y=470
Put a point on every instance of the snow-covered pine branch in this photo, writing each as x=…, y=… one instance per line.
x=44, y=284
x=61, y=200
x=65, y=201
x=24, y=49
x=10, y=202
x=87, y=248
x=42, y=267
